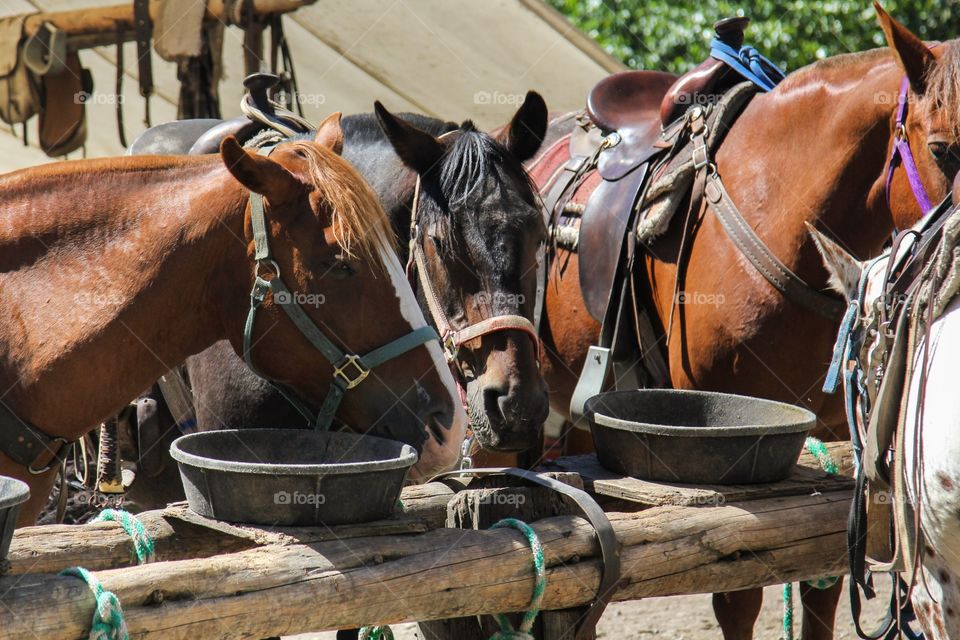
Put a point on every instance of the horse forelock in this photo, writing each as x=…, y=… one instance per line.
x=360, y=225
x=942, y=94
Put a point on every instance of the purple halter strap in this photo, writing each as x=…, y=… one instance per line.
x=902, y=154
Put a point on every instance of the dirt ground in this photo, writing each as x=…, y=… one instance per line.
x=686, y=618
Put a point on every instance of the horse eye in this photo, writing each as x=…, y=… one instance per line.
x=939, y=149
x=437, y=244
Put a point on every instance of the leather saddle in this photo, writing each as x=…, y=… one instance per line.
x=640, y=114
x=198, y=136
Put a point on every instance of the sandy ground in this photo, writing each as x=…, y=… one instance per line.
x=686, y=618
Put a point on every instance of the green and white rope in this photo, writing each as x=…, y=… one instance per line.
x=142, y=542
x=819, y=451
x=507, y=632
x=376, y=633
x=108, y=622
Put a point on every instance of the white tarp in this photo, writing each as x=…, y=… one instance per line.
x=455, y=59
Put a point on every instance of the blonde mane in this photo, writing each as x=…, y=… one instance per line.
x=943, y=86
x=360, y=225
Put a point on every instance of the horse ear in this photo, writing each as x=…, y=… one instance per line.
x=417, y=149
x=330, y=134
x=844, y=269
x=913, y=55
x=527, y=129
x=259, y=173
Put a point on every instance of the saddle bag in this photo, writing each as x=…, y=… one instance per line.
x=63, y=119
x=19, y=90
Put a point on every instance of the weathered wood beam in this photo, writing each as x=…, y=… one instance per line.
x=97, y=27
x=280, y=590
x=52, y=548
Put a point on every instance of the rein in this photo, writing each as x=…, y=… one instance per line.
x=349, y=370
x=452, y=339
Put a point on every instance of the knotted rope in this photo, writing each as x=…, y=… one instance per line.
x=507, y=632
x=108, y=622
x=142, y=542
x=819, y=451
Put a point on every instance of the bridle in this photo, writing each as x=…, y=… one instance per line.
x=349, y=370
x=450, y=338
x=902, y=154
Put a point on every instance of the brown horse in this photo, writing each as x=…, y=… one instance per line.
x=816, y=149
x=115, y=270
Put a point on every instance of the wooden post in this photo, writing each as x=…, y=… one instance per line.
x=478, y=508
x=87, y=28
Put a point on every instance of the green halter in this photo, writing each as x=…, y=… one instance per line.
x=349, y=370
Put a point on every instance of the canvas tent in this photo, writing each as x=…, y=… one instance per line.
x=454, y=59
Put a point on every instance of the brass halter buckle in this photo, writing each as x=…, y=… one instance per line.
x=340, y=371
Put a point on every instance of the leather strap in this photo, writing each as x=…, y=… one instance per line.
x=753, y=248
x=27, y=446
x=609, y=545
x=143, y=26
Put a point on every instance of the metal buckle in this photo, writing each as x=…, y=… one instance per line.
x=57, y=458
x=339, y=370
x=901, y=132
x=450, y=347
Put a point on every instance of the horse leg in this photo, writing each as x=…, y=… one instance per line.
x=820, y=610
x=737, y=611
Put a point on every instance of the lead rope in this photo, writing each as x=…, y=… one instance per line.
x=108, y=622
x=819, y=451
x=524, y=632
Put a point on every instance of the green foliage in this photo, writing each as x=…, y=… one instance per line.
x=674, y=35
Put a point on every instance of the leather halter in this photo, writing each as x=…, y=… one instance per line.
x=902, y=154
x=349, y=370
x=452, y=339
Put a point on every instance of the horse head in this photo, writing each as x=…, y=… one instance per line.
x=932, y=125
x=331, y=242
x=479, y=231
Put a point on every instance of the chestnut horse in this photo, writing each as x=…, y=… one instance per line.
x=115, y=270
x=479, y=227
x=816, y=149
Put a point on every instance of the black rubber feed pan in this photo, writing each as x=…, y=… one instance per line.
x=697, y=437
x=13, y=493
x=291, y=476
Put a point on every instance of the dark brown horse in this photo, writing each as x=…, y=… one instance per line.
x=816, y=149
x=115, y=270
